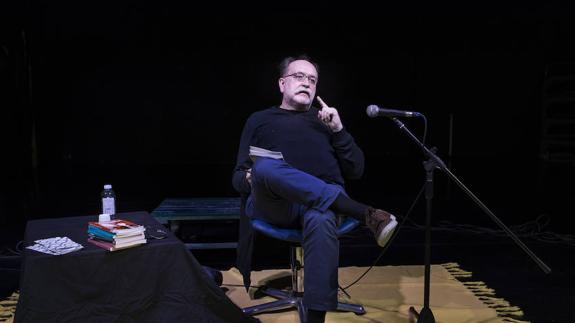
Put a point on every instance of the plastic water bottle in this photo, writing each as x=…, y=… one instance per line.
x=108, y=200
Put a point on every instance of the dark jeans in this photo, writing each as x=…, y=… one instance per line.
x=287, y=197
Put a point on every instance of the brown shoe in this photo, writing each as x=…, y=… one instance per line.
x=382, y=224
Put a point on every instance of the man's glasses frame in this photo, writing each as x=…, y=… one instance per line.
x=300, y=77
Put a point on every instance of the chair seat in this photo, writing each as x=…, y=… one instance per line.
x=295, y=235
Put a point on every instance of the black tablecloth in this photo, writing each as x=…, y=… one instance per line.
x=157, y=282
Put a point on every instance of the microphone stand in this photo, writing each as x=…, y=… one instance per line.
x=433, y=162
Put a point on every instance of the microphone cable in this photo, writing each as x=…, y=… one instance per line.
x=424, y=128
x=343, y=289
x=400, y=225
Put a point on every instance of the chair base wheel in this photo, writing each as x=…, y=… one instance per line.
x=289, y=299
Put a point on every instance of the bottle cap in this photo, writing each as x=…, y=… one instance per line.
x=103, y=217
x=107, y=187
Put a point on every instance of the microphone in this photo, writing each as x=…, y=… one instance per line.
x=375, y=111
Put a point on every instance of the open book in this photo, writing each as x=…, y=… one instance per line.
x=260, y=152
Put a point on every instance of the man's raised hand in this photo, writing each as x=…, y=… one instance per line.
x=329, y=116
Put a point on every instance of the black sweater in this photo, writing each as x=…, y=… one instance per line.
x=305, y=142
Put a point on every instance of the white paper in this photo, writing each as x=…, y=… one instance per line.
x=56, y=246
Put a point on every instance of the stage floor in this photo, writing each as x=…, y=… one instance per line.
x=492, y=259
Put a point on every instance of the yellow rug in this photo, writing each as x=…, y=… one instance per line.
x=8, y=307
x=388, y=292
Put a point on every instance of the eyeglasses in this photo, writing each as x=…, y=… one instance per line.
x=300, y=77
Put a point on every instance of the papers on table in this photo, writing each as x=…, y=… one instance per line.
x=56, y=246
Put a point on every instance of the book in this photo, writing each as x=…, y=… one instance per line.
x=117, y=227
x=95, y=231
x=111, y=247
x=116, y=234
x=261, y=152
x=140, y=238
x=130, y=239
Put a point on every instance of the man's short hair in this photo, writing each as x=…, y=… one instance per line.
x=283, y=66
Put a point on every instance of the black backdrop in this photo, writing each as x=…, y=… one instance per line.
x=151, y=97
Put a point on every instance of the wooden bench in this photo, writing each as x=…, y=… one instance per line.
x=175, y=211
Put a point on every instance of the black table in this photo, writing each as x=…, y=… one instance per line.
x=160, y=281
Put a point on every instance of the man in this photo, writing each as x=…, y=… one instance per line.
x=305, y=189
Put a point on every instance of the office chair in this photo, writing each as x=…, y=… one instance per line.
x=294, y=297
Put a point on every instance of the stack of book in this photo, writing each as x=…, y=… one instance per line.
x=116, y=234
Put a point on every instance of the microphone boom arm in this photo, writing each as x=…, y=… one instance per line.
x=441, y=165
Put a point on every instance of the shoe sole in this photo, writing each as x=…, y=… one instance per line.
x=387, y=232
